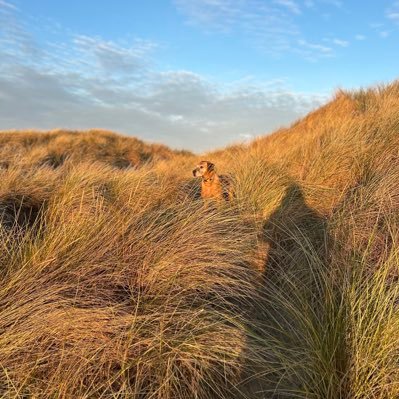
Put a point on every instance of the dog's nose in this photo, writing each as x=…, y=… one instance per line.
x=194, y=172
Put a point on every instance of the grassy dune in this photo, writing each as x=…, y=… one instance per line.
x=116, y=282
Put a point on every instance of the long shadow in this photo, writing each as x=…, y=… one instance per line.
x=298, y=303
x=297, y=238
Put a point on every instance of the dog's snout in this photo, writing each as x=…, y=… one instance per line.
x=194, y=172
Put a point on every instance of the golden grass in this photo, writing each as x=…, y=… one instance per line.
x=117, y=282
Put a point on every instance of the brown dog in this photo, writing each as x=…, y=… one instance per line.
x=212, y=186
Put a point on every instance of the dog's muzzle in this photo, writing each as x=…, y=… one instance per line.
x=195, y=172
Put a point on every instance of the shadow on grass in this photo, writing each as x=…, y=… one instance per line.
x=297, y=237
x=300, y=321
x=21, y=213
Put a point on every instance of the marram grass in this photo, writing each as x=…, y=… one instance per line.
x=117, y=282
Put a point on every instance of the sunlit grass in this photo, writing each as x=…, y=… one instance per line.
x=117, y=282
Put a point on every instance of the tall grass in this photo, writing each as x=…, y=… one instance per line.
x=117, y=281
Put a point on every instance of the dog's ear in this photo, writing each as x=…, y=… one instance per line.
x=210, y=167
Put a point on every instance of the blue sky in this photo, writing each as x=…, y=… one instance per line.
x=193, y=74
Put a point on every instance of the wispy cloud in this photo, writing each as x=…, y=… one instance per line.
x=112, y=57
x=381, y=29
x=314, y=51
x=291, y=5
x=360, y=37
x=392, y=12
x=314, y=3
x=335, y=3
x=268, y=26
x=340, y=42
x=5, y=4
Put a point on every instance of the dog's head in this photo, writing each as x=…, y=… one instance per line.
x=204, y=168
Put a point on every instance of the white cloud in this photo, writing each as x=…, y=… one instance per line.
x=246, y=137
x=360, y=37
x=5, y=4
x=380, y=29
x=392, y=12
x=341, y=43
x=314, y=3
x=291, y=5
x=314, y=51
x=178, y=108
x=113, y=58
x=268, y=26
x=335, y=3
